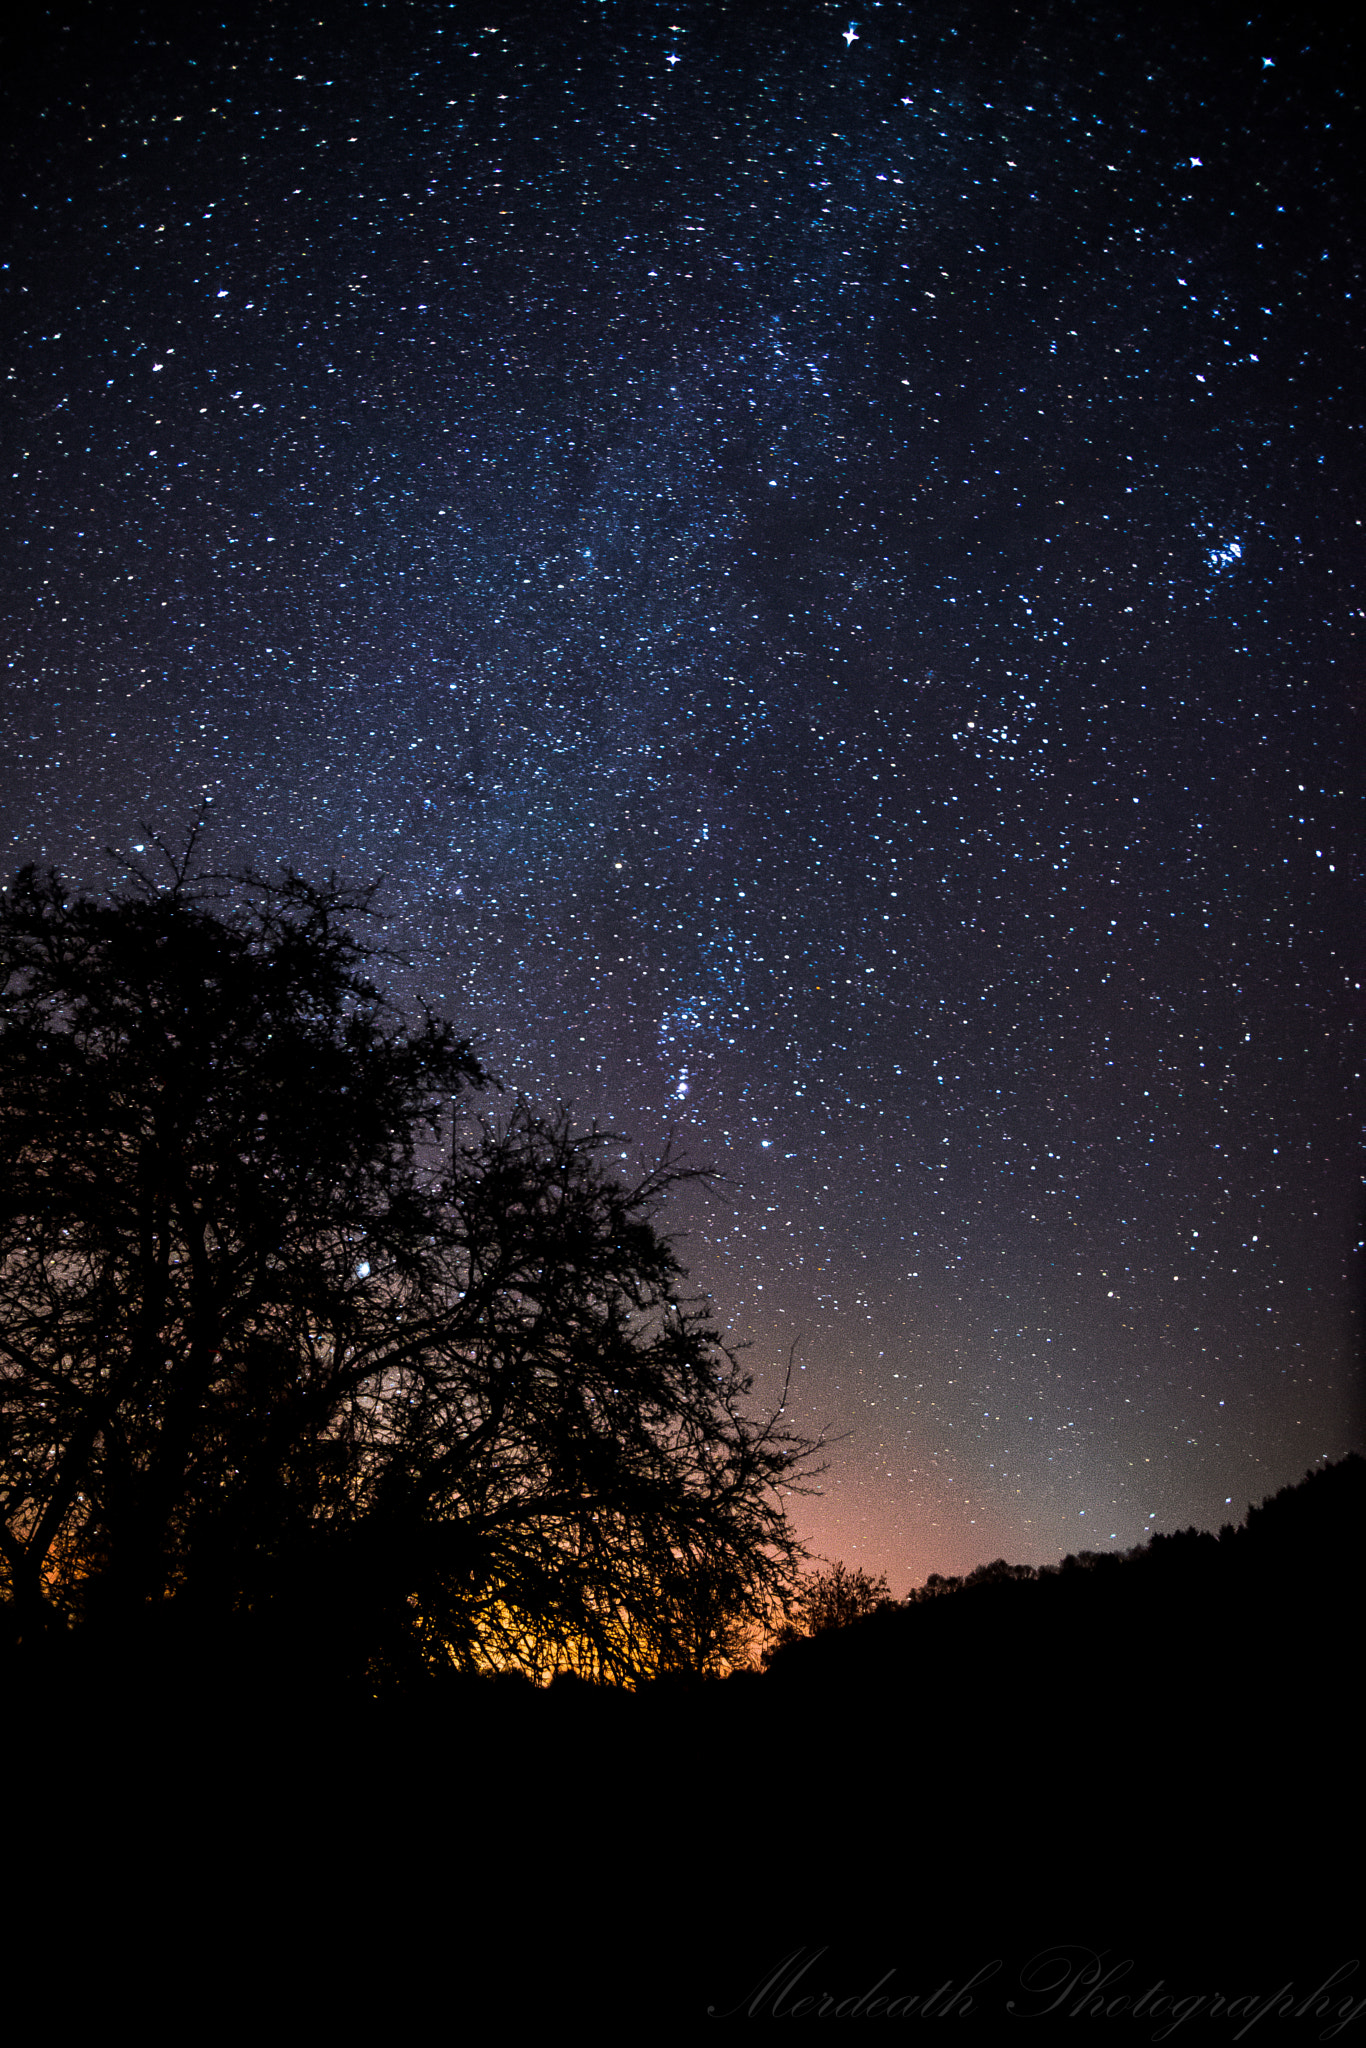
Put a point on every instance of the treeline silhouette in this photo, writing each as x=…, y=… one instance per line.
x=1157, y=1752
x=1153, y=1759
x=1181, y=1596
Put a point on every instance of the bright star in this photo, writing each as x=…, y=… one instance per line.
x=850, y=35
x=672, y=58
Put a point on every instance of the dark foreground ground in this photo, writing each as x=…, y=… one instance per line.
x=1013, y=1812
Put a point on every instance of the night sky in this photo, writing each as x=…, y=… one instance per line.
x=819, y=559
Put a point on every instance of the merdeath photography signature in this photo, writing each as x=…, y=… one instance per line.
x=1065, y=1982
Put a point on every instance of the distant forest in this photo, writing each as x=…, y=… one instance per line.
x=1301, y=1551
x=1026, y=1793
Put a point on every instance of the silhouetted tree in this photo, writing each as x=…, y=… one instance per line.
x=935, y=1586
x=832, y=1598
x=998, y=1573
x=276, y=1342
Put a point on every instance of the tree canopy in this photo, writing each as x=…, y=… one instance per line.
x=288, y=1335
x=829, y=1598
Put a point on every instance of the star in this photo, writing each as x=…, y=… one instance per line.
x=851, y=35
x=672, y=59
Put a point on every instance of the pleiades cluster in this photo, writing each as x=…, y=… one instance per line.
x=818, y=559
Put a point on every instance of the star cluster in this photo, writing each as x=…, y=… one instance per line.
x=823, y=570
